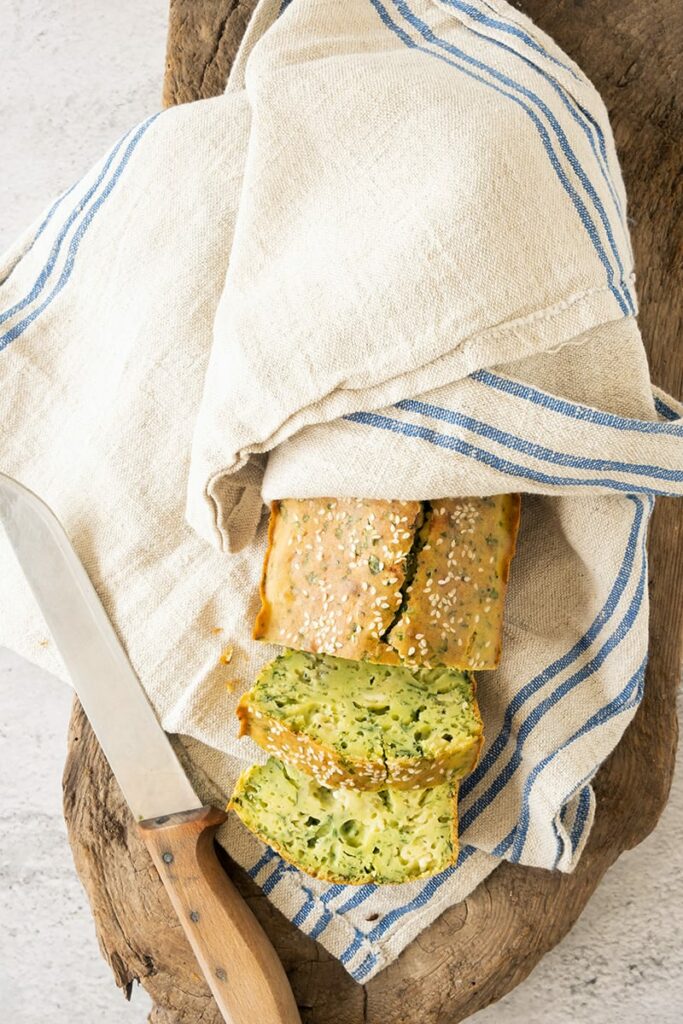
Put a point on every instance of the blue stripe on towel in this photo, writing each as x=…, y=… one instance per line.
x=311, y=900
x=21, y=326
x=572, y=410
x=361, y=972
x=583, y=118
x=470, y=450
x=629, y=697
x=504, y=845
x=536, y=451
x=263, y=860
x=581, y=646
x=565, y=812
x=512, y=29
x=540, y=710
x=352, y=949
x=46, y=271
x=321, y=924
x=332, y=892
x=51, y=212
x=326, y=897
x=665, y=410
x=361, y=894
x=306, y=907
x=621, y=293
x=274, y=877
x=581, y=818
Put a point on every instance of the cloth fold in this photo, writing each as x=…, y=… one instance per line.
x=423, y=202
x=391, y=261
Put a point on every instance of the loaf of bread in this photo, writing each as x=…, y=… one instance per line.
x=418, y=584
x=364, y=726
x=347, y=835
x=453, y=611
x=334, y=573
x=387, y=606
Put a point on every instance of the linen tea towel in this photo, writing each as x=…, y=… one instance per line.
x=392, y=261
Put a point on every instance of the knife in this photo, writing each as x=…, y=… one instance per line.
x=240, y=965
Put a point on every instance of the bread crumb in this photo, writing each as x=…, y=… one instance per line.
x=226, y=655
x=216, y=630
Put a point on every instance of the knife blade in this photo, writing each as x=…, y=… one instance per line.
x=240, y=965
x=138, y=750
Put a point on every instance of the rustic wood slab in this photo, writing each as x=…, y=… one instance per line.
x=479, y=950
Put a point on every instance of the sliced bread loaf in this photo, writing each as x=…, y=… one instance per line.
x=365, y=726
x=333, y=573
x=453, y=609
x=345, y=835
x=393, y=582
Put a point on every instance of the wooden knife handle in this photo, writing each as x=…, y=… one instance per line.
x=237, y=959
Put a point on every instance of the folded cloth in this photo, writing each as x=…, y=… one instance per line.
x=390, y=261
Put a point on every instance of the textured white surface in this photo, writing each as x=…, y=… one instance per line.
x=74, y=77
x=50, y=968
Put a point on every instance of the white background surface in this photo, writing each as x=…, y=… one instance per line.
x=74, y=77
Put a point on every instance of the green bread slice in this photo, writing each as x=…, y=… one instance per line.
x=365, y=726
x=347, y=835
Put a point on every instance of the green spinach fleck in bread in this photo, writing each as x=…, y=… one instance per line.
x=333, y=573
x=392, y=582
x=345, y=835
x=365, y=726
x=453, y=611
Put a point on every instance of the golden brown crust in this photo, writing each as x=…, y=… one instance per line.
x=326, y=765
x=338, y=879
x=333, y=573
x=454, y=612
x=334, y=579
x=261, y=621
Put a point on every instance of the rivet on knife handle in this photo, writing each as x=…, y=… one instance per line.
x=241, y=967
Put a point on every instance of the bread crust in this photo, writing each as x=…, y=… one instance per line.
x=328, y=767
x=333, y=573
x=334, y=579
x=330, y=876
x=453, y=614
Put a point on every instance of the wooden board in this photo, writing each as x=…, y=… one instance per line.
x=480, y=949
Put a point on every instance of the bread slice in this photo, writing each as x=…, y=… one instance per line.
x=364, y=726
x=345, y=835
x=333, y=573
x=453, y=612
x=388, y=581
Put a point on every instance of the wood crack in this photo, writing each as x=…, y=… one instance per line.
x=219, y=39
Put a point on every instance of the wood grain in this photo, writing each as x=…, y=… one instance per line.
x=480, y=949
x=239, y=964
